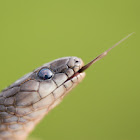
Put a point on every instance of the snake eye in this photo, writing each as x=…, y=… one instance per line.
x=45, y=74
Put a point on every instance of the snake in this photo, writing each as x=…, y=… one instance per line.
x=25, y=102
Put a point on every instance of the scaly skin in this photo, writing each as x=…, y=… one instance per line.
x=28, y=100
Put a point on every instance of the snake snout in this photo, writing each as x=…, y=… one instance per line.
x=65, y=63
x=75, y=62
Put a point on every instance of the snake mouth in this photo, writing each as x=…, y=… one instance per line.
x=81, y=70
x=74, y=75
x=88, y=65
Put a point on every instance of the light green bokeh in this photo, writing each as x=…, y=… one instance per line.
x=106, y=105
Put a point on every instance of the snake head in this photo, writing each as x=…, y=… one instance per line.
x=44, y=88
x=59, y=77
x=31, y=97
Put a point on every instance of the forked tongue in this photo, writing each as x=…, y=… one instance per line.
x=103, y=54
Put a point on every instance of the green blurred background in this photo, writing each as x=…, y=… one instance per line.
x=106, y=105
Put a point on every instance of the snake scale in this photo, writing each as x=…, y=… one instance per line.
x=24, y=103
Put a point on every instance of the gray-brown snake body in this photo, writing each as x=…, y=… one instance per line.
x=28, y=100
